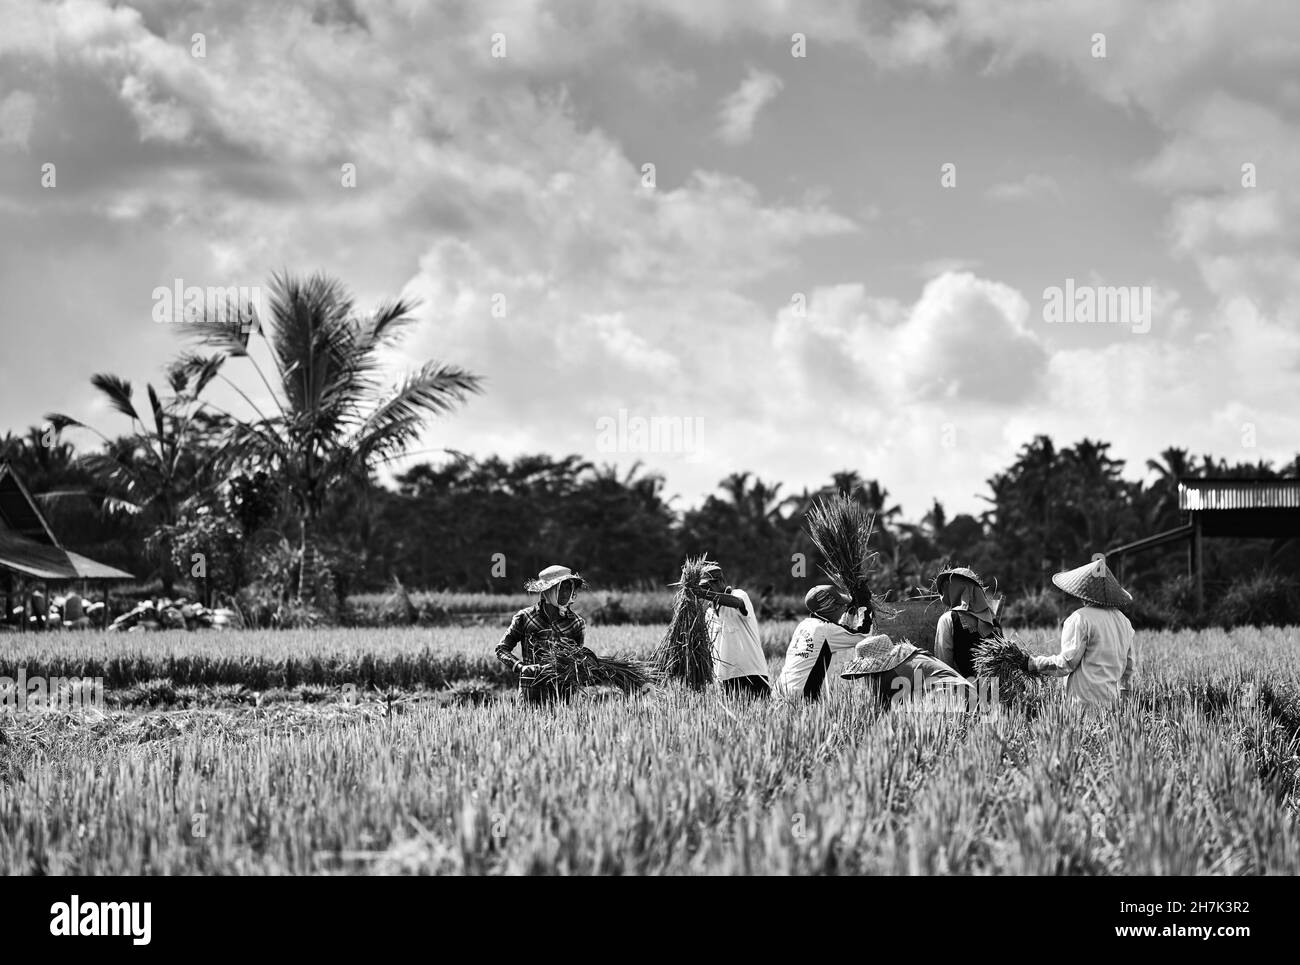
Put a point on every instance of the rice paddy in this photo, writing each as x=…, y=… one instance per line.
x=366, y=751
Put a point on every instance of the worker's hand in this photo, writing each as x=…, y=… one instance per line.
x=529, y=669
x=744, y=610
x=1028, y=665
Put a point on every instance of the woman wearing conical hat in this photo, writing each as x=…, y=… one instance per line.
x=1098, y=650
x=967, y=622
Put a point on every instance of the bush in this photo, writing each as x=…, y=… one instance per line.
x=1045, y=608
x=1262, y=599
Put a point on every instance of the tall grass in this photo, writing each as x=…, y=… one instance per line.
x=1189, y=776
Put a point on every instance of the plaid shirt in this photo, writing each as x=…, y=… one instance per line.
x=533, y=631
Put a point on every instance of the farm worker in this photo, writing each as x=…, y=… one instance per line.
x=834, y=625
x=535, y=629
x=968, y=620
x=74, y=613
x=38, y=608
x=1098, y=650
x=901, y=672
x=738, y=661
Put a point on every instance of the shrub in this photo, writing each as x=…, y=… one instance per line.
x=1261, y=599
x=1045, y=608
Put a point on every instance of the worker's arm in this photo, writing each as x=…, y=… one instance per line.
x=841, y=638
x=514, y=636
x=721, y=599
x=943, y=638
x=1073, y=645
x=1130, y=666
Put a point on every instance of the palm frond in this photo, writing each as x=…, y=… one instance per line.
x=118, y=391
x=60, y=421
x=196, y=372
x=390, y=318
x=433, y=390
x=225, y=328
x=159, y=421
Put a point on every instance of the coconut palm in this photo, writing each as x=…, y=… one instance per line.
x=151, y=471
x=332, y=420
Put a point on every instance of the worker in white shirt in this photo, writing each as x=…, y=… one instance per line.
x=835, y=625
x=738, y=661
x=1098, y=647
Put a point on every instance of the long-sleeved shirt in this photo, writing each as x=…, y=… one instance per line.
x=531, y=630
x=737, y=649
x=1098, y=655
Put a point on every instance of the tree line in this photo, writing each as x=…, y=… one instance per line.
x=287, y=501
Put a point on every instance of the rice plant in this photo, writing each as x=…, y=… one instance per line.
x=1193, y=773
x=686, y=651
x=841, y=528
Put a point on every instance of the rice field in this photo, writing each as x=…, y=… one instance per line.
x=428, y=770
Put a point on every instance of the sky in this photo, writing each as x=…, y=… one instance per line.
x=851, y=251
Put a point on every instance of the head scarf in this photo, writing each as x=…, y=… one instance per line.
x=967, y=598
x=561, y=595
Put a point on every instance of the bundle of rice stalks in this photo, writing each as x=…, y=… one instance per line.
x=686, y=651
x=841, y=527
x=568, y=668
x=472, y=692
x=1004, y=661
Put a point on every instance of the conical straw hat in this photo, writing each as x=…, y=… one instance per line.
x=1093, y=583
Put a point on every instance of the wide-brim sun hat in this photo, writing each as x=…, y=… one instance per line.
x=875, y=654
x=1093, y=583
x=552, y=576
x=941, y=581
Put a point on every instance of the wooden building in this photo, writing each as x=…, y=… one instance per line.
x=31, y=553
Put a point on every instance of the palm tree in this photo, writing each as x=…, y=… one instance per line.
x=151, y=471
x=333, y=421
x=1174, y=463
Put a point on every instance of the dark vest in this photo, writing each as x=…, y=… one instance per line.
x=964, y=643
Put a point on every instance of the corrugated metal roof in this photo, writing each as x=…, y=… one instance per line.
x=1196, y=495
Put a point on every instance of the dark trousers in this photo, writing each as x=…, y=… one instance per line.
x=752, y=686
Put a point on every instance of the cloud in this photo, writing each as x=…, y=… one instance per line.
x=480, y=177
x=17, y=118
x=660, y=80
x=965, y=340
x=1029, y=187
x=740, y=108
x=939, y=266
